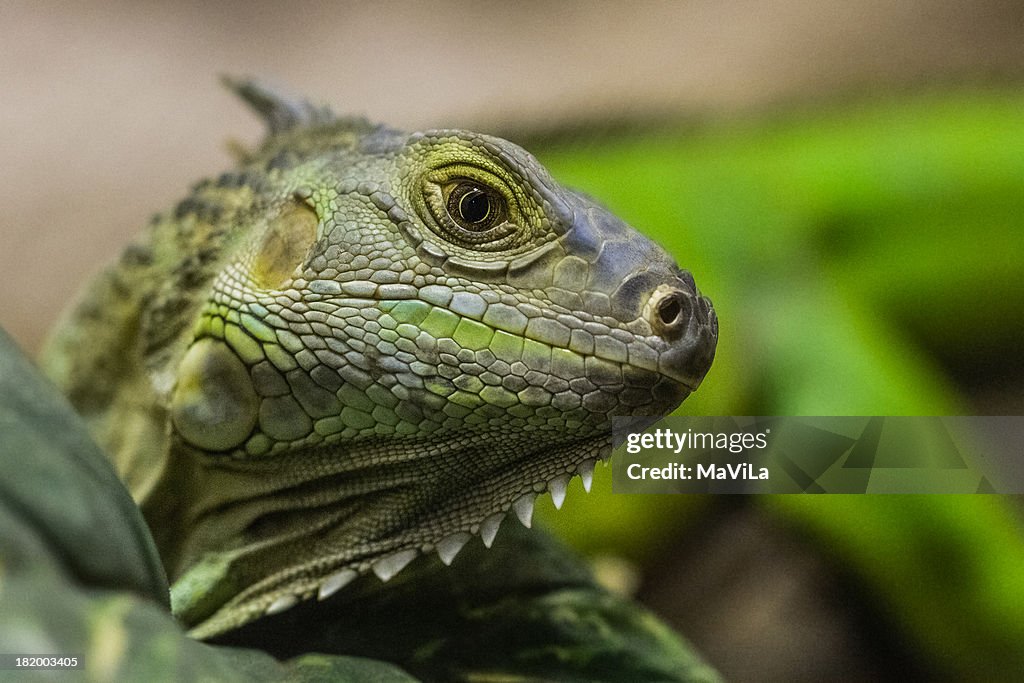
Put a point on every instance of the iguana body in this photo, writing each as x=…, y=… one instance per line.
x=363, y=345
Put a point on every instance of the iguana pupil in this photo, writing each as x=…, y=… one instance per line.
x=473, y=207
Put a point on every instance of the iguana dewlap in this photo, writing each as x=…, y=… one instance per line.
x=362, y=345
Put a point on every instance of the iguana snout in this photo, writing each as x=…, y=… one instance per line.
x=646, y=290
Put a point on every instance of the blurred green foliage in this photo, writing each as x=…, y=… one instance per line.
x=864, y=259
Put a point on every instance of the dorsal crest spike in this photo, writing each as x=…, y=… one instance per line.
x=280, y=111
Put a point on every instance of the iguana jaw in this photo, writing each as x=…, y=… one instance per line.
x=317, y=549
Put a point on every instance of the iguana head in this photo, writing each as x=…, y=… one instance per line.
x=403, y=338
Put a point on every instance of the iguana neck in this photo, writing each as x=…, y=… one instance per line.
x=237, y=523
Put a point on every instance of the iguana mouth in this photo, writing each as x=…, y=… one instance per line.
x=223, y=400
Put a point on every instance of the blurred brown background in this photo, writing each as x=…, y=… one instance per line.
x=110, y=110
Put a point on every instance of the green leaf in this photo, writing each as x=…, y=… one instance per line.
x=57, y=486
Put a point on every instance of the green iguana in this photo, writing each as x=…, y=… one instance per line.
x=362, y=345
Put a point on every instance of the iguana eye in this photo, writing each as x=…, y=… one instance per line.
x=474, y=207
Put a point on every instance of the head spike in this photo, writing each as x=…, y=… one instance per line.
x=449, y=546
x=335, y=582
x=557, y=486
x=586, y=470
x=386, y=567
x=523, y=505
x=280, y=112
x=282, y=603
x=489, y=528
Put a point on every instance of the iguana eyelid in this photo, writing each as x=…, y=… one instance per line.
x=452, y=173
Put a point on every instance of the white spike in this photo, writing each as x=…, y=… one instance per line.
x=282, y=603
x=586, y=470
x=489, y=528
x=523, y=505
x=386, y=567
x=335, y=582
x=449, y=546
x=557, y=487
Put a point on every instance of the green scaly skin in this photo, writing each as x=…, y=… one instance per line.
x=322, y=365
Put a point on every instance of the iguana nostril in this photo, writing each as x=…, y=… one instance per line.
x=688, y=331
x=669, y=309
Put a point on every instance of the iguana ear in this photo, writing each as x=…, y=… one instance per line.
x=281, y=112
